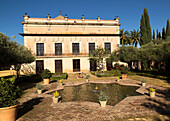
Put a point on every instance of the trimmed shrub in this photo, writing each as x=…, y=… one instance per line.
x=29, y=78
x=9, y=92
x=46, y=74
x=58, y=76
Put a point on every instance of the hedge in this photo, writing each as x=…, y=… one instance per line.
x=58, y=76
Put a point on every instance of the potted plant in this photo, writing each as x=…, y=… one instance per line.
x=87, y=78
x=152, y=92
x=39, y=88
x=124, y=73
x=118, y=79
x=61, y=82
x=46, y=74
x=143, y=82
x=102, y=99
x=56, y=96
x=9, y=94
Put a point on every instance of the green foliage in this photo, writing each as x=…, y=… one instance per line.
x=28, y=78
x=13, y=53
x=157, y=34
x=56, y=94
x=125, y=37
x=58, y=76
x=145, y=28
x=153, y=34
x=128, y=54
x=98, y=56
x=163, y=33
x=113, y=57
x=46, y=74
x=105, y=74
x=135, y=37
x=87, y=77
x=9, y=92
x=124, y=71
x=102, y=96
x=39, y=86
x=116, y=72
x=167, y=29
x=143, y=80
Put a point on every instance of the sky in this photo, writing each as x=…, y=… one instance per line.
x=129, y=12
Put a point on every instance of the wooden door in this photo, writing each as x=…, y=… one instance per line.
x=76, y=65
x=93, y=65
x=58, y=66
x=39, y=66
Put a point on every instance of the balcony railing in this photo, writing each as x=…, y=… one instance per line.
x=60, y=55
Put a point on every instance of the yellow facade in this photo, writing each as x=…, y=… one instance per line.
x=68, y=31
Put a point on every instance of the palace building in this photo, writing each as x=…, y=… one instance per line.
x=63, y=45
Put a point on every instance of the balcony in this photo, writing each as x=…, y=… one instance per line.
x=61, y=55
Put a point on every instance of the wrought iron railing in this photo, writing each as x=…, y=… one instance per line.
x=62, y=54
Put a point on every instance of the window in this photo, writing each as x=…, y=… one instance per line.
x=107, y=47
x=91, y=48
x=75, y=48
x=40, y=49
x=58, y=48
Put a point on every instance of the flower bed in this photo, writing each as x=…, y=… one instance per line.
x=80, y=75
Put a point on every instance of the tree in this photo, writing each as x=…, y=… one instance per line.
x=98, y=56
x=145, y=28
x=163, y=33
x=148, y=26
x=13, y=53
x=128, y=54
x=157, y=34
x=124, y=39
x=135, y=37
x=167, y=29
x=153, y=34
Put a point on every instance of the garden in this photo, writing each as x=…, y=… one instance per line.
x=135, y=90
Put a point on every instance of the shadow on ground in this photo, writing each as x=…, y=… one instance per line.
x=160, y=103
x=28, y=106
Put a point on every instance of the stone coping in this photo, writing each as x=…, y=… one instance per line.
x=131, y=106
x=142, y=89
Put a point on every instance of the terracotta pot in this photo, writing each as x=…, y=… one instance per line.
x=8, y=113
x=143, y=84
x=55, y=100
x=103, y=103
x=152, y=94
x=124, y=76
x=46, y=81
x=87, y=80
x=61, y=84
x=39, y=91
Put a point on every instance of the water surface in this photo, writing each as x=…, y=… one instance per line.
x=87, y=92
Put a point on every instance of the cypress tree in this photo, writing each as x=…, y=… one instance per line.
x=167, y=26
x=153, y=34
x=148, y=26
x=167, y=29
x=157, y=34
x=145, y=28
x=163, y=33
